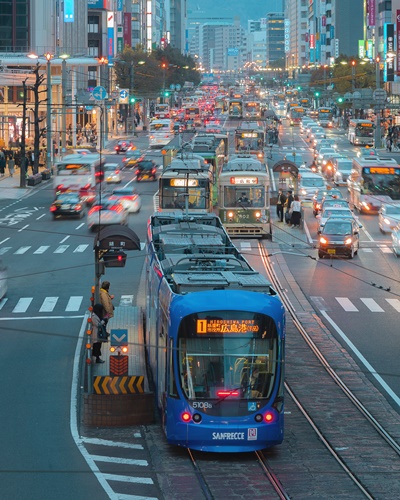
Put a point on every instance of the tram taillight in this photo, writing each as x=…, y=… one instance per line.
x=269, y=417
x=224, y=394
x=186, y=416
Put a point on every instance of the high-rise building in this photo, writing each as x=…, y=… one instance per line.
x=275, y=48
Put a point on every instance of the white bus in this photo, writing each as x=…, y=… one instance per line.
x=162, y=111
x=161, y=132
x=361, y=132
x=78, y=173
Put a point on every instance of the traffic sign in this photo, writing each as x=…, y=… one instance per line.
x=379, y=95
x=177, y=87
x=99, y=93
x=123, y=96
x=119, y=337
x=172, y=86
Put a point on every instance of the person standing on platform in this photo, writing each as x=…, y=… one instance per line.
x=288, y=203
x=11, y=166
x=280, y=203
x=106, y=300
x=295, y=212
x=97, y=318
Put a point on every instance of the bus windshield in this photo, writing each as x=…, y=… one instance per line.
x=363, y=131
x=235, y=356
x=381, y=181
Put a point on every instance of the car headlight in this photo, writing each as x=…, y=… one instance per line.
x=347, y=241
x=323, y=240
x=386, y=221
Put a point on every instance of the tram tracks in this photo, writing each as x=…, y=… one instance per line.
x=308, y=403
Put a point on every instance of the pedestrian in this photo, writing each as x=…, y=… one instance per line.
x=97, y=318
x=280, y=204
x=295, y=212
x=11, y=166
x=2, y=165
x=106, y=300
x=288, y=203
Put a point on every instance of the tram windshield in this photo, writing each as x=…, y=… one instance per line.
x=236, y=356
x=381, y=181
x=174, y=196
x=249, y=141
x=239, y=196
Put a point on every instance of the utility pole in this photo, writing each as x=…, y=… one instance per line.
x=23, y=162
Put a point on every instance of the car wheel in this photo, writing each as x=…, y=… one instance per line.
x=320, y=254
x=54, y=216
x=351, y=254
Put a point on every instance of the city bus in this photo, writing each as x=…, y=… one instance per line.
x=161, y=111
x=305, y=102
x=361, y=132
x=161, y=132
x=244, y=197
x=250, y=138
x=78, y=173
x=186, y=184
x=324, y=117
x=235, y=109
x=252, y=109
x=373, y=180
x=296, y=114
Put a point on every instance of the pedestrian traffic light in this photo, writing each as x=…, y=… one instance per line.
x=114, y=258
x=132, y=99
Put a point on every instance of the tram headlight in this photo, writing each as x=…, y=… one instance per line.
x=258, y=215
x=230, y=215
x=258, y=418
x=197, y=418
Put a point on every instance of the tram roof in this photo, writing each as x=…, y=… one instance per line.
x=247, y=163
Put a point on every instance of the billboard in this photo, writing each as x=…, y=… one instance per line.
x=398, y=40
x=233, y=51
x=100, y=4
x=69, y=11
x=388, y=37
x=371, y=13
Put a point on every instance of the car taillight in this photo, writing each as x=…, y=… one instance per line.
x=60, y=187
x=78, y=207
x=117, y=208
x=137, y=172
x=153, y=170
x=117, y=171
x=53, y=208
x=95, y=209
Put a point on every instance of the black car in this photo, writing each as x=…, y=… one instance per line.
x=146, y=170
x=339, y=237
x=68, y=204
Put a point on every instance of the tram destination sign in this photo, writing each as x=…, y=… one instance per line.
x=206, y=326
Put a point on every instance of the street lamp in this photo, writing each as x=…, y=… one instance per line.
x=64, y=58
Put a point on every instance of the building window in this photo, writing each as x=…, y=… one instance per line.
x=93, y=48
x=93, y=24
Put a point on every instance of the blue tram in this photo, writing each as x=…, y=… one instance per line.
x=215, y=331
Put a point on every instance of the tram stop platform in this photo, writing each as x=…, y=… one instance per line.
x=119, y=394
x=286, y=236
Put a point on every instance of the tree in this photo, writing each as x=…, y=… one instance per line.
x=38, y=132
x=180, y=68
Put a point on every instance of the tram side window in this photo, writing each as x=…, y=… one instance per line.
x=172, y=390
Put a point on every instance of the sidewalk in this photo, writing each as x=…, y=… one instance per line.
x=288, y=237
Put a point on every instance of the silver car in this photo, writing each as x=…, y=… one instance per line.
x=106, y=212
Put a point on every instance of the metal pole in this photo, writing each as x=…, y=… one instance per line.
x=353, y=86
x=63, y=108
x=378, y=139
x=48, y=122
x=132, y=104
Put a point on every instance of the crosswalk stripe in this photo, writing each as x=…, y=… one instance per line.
x=21, y=250
x=130, y=479
x=346, y=304
x=80, y=248
x=41, y=249
x=49, y=304
x=61, y=249
x=366, y=250
x=3, y=302
x=395, y=303
x=118, y=460
x=22, y=305
x=4, y=250
x=386, y=250
x=74, y=303
x=372, y=305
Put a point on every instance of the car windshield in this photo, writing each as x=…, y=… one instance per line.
x=334, y=227
x=344, y=166
x=336, y=213
x=123, y=191
x=392, y=210
x=68, y=198
x=145, y=165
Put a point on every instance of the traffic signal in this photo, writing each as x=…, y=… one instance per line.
x=298, y=87
x=340, y=100
x=317, y=94
x=114, y=258
x=166, y=93
x=132, y=99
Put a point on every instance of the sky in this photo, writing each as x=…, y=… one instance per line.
x=246, y=9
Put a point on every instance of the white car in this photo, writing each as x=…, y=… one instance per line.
x=106, y=212
x=396, y=240
x=3, y=280
x=128, y=197
x=389, y=217
x=112, y=173
x=339, y=212
x=343, y=168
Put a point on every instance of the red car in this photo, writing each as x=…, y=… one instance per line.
x=122, y=146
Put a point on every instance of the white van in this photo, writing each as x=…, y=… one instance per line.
x=3, y=280
x=308, y=184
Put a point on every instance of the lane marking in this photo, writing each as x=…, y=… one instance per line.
x=3, y=241
x=74, y=303
x=372, y=305
x=346, y=304
x=22, y=305
x=119, y=460
x=106, y=442
x=80, y=248
x=64, y=239
x=129, y=479
x=21, y=250
x=49, y=304
x=395, y=303
x=61, y=249
x=367, y=365
x=4, y=250
x=41, y=249
x=3, y=302
x=22, y=228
